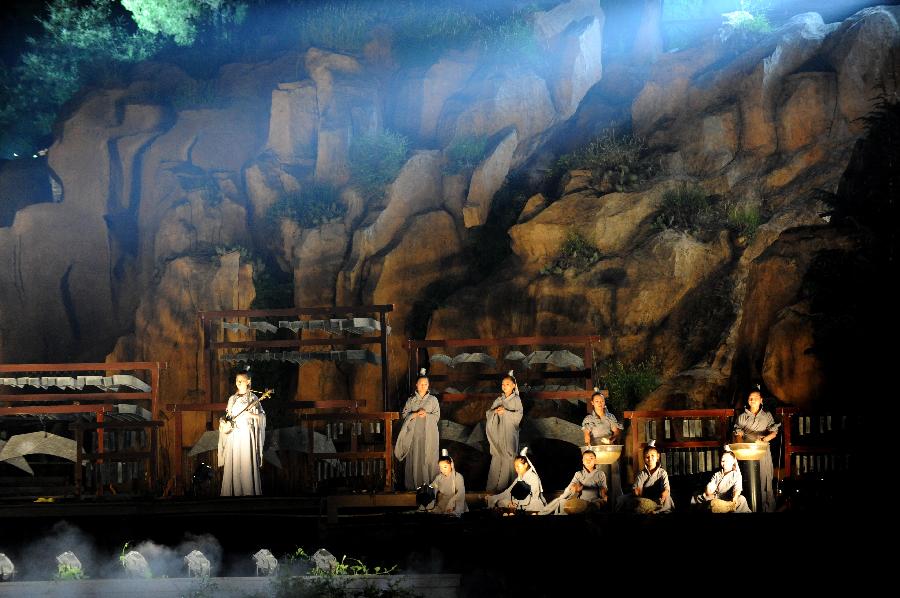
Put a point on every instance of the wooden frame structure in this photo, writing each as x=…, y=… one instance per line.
x=725, y=417
x=722, y=418
x=309, y=411
x=416, y=347
x=92, y=402
x=792, y=447
x=211, y=347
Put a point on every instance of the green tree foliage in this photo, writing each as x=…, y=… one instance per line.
x=180, y=19
x=376, y=160
x=465, y=153
x=630, y=383
x=79, y=45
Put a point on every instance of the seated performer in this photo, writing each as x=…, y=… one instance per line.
x=525, y=493
x=586, y=491
x=450, y=489
x=723, y=492
x=651, y=493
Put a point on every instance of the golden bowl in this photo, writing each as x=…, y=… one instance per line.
x=606, y=453
x=749, y=451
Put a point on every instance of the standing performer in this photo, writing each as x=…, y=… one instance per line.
x=417, y=443
x=502, y=431
x=600, y=426
x=242, y=434
x=450, y=488
x=652, y=485
x=757, y=425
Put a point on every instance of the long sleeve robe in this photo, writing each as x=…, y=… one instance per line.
x=600, y=427
x=754, y=427
x=652, y=485
x=533, y=502
x=592, y=483
x=502, y=432
x=451, y=494
x=241, y=451
x=418, y=441
x=725, y=486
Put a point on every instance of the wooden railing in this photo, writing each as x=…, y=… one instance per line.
x=826, y=438
x=99, y=403
x=309, y=414
x=583, y=377
x=817, y=435
x=677, y=430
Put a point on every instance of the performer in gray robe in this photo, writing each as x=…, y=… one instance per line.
x=589, y=484
x=241, y=450
x=525, y=472
x=418, y=441
x=652, y=483
x=600, y=426
x=757, y=425
x=725, y=485
x=450, y=488
x=502, y=431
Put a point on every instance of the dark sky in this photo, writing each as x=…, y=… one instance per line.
x=17, y=20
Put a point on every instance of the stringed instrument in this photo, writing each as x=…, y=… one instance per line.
x=226, y=423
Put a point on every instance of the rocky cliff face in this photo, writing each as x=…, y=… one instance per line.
x=771, y=126
x=159, y=209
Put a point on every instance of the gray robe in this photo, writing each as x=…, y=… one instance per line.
x=592, y=483
x=725, y=486
x=533, y=502
x=502, y=432
x=755, y=427
x=652, y=486
x=418, y=441
x=451, y=493
x=600, y=427
x=241, y=451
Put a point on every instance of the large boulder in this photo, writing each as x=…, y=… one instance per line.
x=609, y=222
x=791, y=368
x=866, y=56
x=487, y=179
x=416, y=189
x=579, y=65
x=348, y=105
x=496, y=100
x=421, y=94
x=315, y=255
x=293, y=121
x=63, y=261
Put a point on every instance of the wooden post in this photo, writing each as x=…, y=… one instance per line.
x=179, y=452
x=382, y=317
x=388, y=453
x=79, y=449
x=786, y=425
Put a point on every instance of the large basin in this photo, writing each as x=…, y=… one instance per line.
x=606, y=453
x=749, y=451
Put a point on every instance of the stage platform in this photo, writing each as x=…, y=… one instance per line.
x=518, y=555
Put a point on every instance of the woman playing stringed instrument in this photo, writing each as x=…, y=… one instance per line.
x=242, y=434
